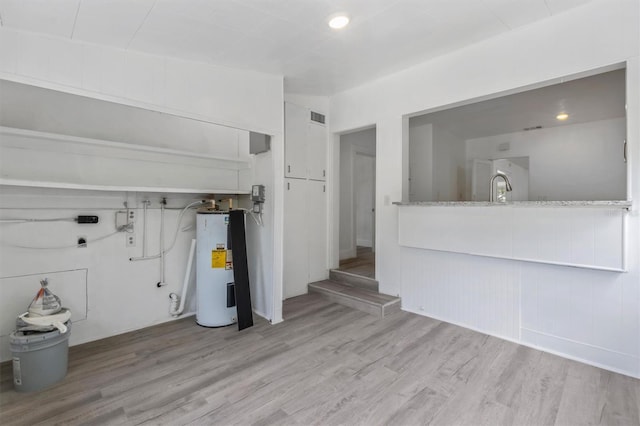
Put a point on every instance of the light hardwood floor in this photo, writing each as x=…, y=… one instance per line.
x=326, y=364
x=364, y=264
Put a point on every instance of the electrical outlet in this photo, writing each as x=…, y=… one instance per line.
x=132, y=216
x=131, y=240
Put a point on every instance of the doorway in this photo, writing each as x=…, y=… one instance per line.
x=357, y=202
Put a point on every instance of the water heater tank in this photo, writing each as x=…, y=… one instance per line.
x=215, y=291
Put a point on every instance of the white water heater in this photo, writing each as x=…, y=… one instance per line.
x=215, y=290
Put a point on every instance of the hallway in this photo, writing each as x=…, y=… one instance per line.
x=364, y=264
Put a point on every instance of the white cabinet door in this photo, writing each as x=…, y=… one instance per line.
x=296, y=129
x=317, y=230
x=317, y=151
x=305, y=144
x=296, y=250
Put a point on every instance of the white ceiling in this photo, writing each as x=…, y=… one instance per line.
x=598, y=97
x=288, y=37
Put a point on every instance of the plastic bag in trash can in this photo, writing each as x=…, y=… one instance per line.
x=45, y=302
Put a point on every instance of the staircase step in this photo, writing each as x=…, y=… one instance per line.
x=368, y=301
x=353, y=280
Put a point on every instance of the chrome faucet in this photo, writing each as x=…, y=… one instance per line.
x=509, y=188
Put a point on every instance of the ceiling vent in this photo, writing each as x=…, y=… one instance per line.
x=526, y=129
x=317, y=117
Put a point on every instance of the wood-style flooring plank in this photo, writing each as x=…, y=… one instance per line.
x=326, y=364
x=364, y=264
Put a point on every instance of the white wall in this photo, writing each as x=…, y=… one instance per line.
x=436, y=163
x=448, y=169
x=261, y=245
x=593, y=316
x=122, y=295
x=576, y=162
x=363, y=141
x=420, y=161
x=119, y=295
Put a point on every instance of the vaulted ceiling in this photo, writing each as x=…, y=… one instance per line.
x=287, y=37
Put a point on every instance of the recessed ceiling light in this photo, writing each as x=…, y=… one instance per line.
x=562, y=116
x=338, y=22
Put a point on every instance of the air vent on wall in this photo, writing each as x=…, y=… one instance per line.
x=526, y=129
x=317, y=117
x=505, y=146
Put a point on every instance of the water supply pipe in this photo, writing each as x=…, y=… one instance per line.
x=175, y=235
x=174, y=309
x=145, y=205
x=162, y=252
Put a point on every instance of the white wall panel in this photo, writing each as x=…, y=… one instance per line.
x=91, y=66
x=62, y=62
x=9, y=51
x=112, y=64
x=388, y=175
x=477, y=293
x=33, y=56
x=574, y=304
x=145, y=75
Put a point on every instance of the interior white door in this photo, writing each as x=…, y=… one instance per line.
x=364, y=179
x=480, y=179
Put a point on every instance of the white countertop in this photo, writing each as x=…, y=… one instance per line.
x=623, y=204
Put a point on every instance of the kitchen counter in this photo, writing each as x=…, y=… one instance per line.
x=623, y=204
x=583, y=234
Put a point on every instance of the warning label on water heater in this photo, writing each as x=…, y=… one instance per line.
x=229, y=265
x=218, y=258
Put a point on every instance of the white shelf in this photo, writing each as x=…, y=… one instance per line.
x=67, y=139
x=46, y=160
x=610, y=204
x=65, y=185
